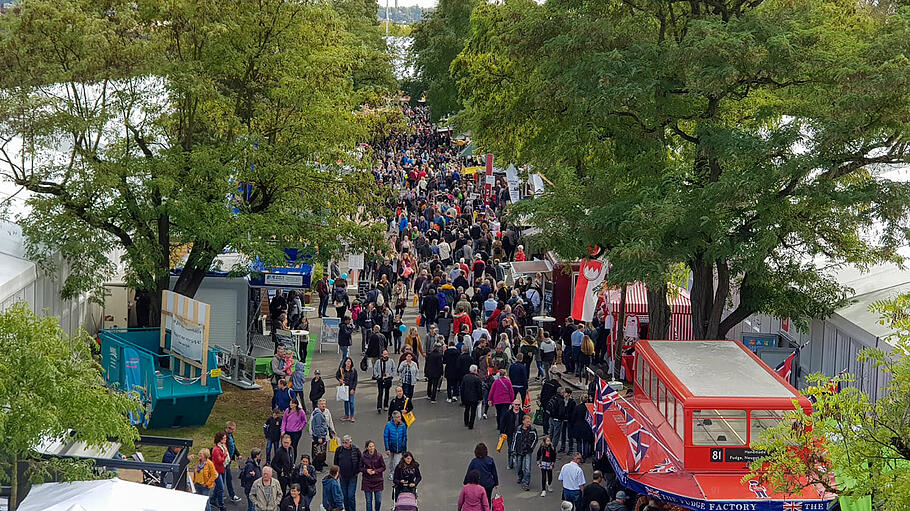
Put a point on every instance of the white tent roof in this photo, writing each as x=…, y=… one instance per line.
x=109, y=495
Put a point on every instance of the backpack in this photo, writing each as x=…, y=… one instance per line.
x=338, y=296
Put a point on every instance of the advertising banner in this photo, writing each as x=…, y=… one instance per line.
x=186, y=340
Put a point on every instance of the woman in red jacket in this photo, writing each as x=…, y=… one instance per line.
x=219, y=456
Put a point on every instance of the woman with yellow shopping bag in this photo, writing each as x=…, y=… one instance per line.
x=323, y=430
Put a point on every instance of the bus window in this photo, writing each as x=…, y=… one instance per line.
x=653, y=392
x=671, y=408
x=719, y=427
x=680, y=420
x=639, y=369
x=662, y=398
x=760, y=420
x=646, y=379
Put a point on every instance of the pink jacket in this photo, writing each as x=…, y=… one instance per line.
x=501, y=391
x=473, y=498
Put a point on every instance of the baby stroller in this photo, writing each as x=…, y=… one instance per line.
x=406, y=501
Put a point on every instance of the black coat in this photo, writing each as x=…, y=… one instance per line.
x=464, y=364
x=471, y=389
x=307, y=483
x=317, y=389
x=251, y=472
x=348, y=461
x=450, y=358
x=375, y=345
x=282, y=465
x=287, y=504
x=400, y=404
x=433, y=367
x=594, y=493
x=430, y=307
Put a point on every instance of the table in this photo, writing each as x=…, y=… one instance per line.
x=301, y=337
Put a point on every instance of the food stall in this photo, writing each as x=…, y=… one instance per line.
x=684, y=434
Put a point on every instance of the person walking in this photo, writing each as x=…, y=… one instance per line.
x=293, y=424
x=408, y=372
x=452, y=374
x=372, y=465
x=400, y=403
x=204, y=473
x=559, y=408
x=347, y=458
x=501, y=395
x=283, y=462
x=322, y=289
x=546, y=459
x=547, y=354
x=376, y=344
x=395, y=439
x=473, y=496
x=484, y=465
x=233, y=454
x=305, y=477
x=509, y=424
x=250, y=473
x=347, y=375
x=518, y=375
x=573, y=480
x=340, y=299
x=345, y=337
x=595, y=492
x=433, y=370
x=524, y=444
x=317, y=388
x=383, y=372
x=323, y=429
x=471, y=394
x=219, y=457
x=294, y=500
x=332, y=496
x=272, y=432
x=407, y=475
x=277, y=366
x=266, y=492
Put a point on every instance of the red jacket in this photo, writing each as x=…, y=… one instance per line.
x=461, y=319
x=219, y=456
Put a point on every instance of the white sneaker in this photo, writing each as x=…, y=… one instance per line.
x=484, y=416
x=543, y=493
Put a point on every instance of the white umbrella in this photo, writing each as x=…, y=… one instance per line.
x=109, y=495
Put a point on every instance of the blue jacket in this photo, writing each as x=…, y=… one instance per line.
x=396, y=437
x=319, y=427
x=283, y=399
x=232, y=447
x=487, y=468
x=332, y=498
x=299, y=377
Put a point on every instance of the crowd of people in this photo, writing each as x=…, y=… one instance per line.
x=447, y=246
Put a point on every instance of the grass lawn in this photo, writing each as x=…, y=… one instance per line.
x=248, y=408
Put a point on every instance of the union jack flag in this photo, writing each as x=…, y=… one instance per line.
x=653, y=493
x=605, y=395
x=793, y=506
x=664, y=467
x=629, y=419
x=639, y=443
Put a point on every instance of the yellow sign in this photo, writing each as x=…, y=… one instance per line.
x=215, y=373
x=472, y=170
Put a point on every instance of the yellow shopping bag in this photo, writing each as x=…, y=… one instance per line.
x=415, y=300
x=333, y=444
x=502, y=441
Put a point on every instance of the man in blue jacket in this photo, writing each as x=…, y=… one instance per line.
x=396, y=440
x=518, y=375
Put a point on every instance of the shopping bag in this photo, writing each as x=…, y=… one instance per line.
x=502, y=441
x=415, y=300
x=498, y=504
x=538, y=417
x=409, y=417
x=526, y=406
x=333, y=444
x=342, y=393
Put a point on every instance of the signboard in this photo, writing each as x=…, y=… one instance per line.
x=488, y=186
x=285, y=280
x=785, y=325
x=548, y=298
x=355, y=261
x=537, y=184
x=756, y=341
x=329, y=332
x=363, y=286
x=736, y=454
x=513, y=182
x=186, y=339
x=181, y=315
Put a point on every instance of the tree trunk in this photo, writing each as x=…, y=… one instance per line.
x=702, y=296
x=14, y=484
x=658, y=312
x=619, y=328
x=197, y=265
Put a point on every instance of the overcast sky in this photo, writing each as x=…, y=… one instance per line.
x=404, y=3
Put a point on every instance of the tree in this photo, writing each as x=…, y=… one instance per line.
x=724, y=135
x=438, y=38
x=158, y=129
x=864, y=445
x=51, y=387
x=371, y=58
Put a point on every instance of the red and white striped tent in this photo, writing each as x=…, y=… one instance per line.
x=637, y=303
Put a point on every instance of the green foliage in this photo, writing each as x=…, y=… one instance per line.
x=51, y=385
x=745, y=140
x=438, y=39
x=863, y=445
x=137, y=137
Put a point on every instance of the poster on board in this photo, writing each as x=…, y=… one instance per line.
x=186, y=339
x=329, y=332
x=355, y=261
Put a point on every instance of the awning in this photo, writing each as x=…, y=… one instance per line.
x=662, y=476
x=468, y=150
x=531, y=267
x=109, y=494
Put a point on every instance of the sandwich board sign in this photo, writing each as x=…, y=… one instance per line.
x=187, y=321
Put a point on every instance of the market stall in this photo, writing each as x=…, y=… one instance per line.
x=109, y=495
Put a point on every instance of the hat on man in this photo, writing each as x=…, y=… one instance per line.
x=621, y=495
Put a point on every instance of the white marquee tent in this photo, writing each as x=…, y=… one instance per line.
x=109, y=495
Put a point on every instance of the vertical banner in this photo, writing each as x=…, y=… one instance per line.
x=488, y=182
x=537, y=184
x=590, y=275
x=513, y=181
x=132, y=380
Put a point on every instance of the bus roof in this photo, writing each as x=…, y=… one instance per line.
x=718, y=369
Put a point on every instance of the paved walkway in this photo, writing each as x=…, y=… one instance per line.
x=439, y=440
